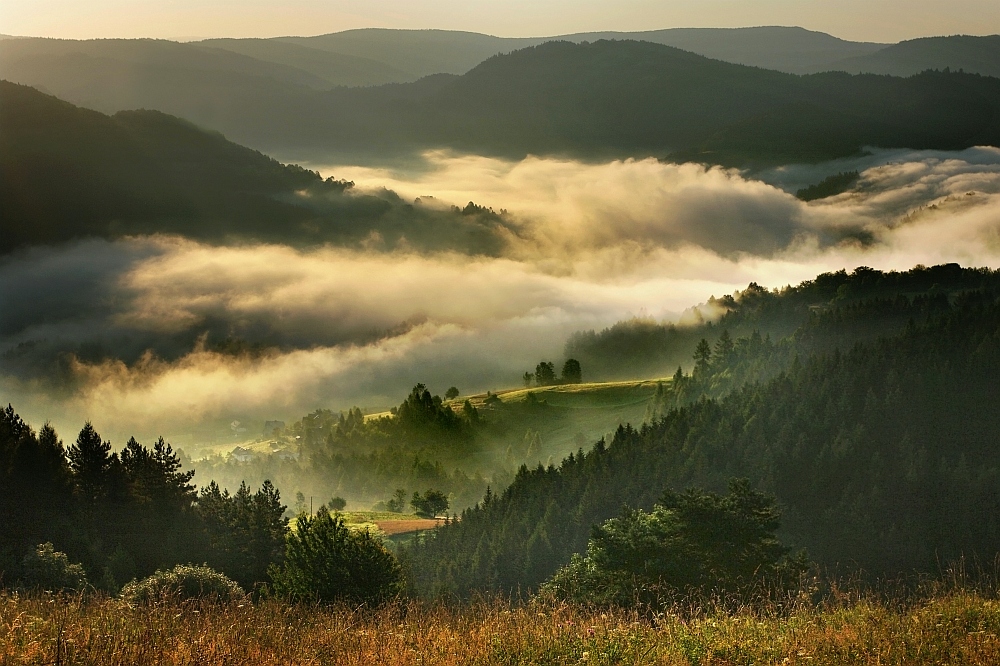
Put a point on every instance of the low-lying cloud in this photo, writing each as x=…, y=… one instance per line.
x=568, y=207
x=133, y=334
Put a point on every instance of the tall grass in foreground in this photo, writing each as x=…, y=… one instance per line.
x=955, y=627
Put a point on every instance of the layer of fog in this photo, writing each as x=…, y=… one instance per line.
x=336, y=327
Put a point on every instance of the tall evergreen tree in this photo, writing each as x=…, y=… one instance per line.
x=92, y=462
x=702, y=357
x=35, y=490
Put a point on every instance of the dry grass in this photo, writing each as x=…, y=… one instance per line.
x=953, y=628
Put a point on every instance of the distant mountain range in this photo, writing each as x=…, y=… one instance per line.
x=377, y=56
x=364, y=57
x=424, y=52
x=577, y=97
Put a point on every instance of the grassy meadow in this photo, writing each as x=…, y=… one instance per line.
x=957, y=627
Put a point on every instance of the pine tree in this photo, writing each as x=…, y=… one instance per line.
x=724, y=348
x=702, y=358
x=91, y=462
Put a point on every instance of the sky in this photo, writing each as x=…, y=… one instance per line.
x=861, y=20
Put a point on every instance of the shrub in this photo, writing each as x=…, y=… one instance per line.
x=690, y=543
x=184, y=581
x=48, y=569
x=327, y=561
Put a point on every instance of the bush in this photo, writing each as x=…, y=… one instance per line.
x=326, y=561
x=184, y=581
x=690, y=543
x=48, y=569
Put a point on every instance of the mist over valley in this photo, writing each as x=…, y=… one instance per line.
x=380, y=278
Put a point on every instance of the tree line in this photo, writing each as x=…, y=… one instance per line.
x=843, y=304
x=545, y=374
x=126, y=514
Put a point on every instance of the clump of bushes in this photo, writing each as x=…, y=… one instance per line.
x=184, y=581
x=692, y=543
x=48, y=569
x=327, y=561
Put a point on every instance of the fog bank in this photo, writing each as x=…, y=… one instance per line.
x=165, y=335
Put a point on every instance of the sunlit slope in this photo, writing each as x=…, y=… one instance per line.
x=569, y=416
x=580, y=414
x=587, y=395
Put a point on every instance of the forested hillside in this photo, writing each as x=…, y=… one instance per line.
x=68, y=173
x=881, y=452
x=834, y=309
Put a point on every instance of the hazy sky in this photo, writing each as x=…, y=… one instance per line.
x=878, y=20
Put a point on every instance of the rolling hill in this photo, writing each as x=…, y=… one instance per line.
x=980, y=55
x=785, y=49
x=418, y=53
x=69, y=172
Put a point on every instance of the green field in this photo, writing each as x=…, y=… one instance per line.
x=580, y=414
